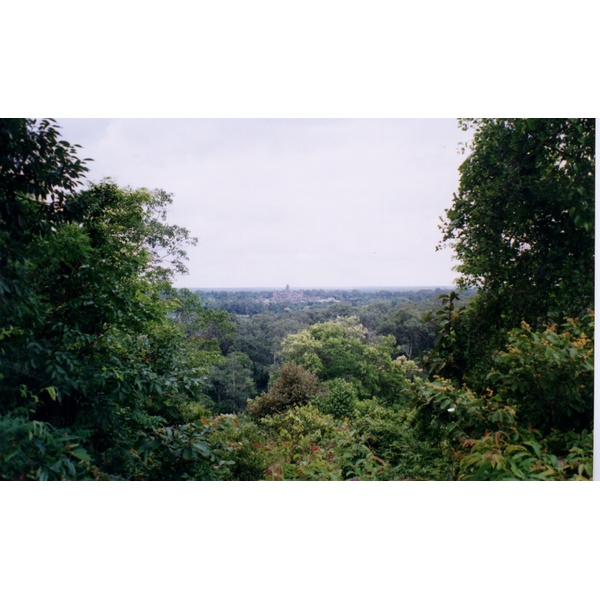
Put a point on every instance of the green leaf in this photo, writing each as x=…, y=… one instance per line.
x=204, y=451
x=81, y=454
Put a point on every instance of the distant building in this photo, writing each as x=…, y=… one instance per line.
x=288, y=296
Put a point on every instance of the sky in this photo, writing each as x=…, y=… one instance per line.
x=313, y=203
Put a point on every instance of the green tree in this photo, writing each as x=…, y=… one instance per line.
x=340, y=400
x=345, y=349
x=512, y=373
x=210, y=329
x=414, y=335
x=231, y=383
x=522, y=227
x=522, y=222
x=291, y=386
x=87, y=349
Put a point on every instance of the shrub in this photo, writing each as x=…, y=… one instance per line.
x=178, y=453
x=33, y=450
x=293, y=386
x=340, y=400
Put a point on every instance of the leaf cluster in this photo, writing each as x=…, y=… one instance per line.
x=90, y=358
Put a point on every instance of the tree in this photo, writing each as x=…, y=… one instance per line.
x=231, y=383
x=208, y=328
x=512, y=373
x=407, y=324
x=292, y=386
x=345, y=349
x=522, y=223
x=87, y=349
x=522, y=226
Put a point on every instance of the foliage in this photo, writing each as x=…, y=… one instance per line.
x=522, y=223
x=87, y=347
x=522, y=227
x=308, y=445
x=512, y=374
x=231, y=383
x=503, y=456
x=532, y=422
x=549, y=375
x=391, y=434
x=293, y=386
x=387, y=313
x=340, y=400
x=106, y=372
x=343, y=349
x=241, y=444
x=445, y=356
x=208, y=329
x=178, y=453
x=413, y=333
x=260, y=337
x=34, y=450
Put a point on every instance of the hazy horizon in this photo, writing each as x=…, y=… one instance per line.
x=331, y=202
x=318, y=287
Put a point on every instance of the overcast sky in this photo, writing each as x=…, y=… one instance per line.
x=304, y=202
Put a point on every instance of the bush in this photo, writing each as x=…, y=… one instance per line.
x=241, y=445
x=515, y=455
x=549, y=374
x=293, y=386
x=178, y=453
x=533, y=420
x=306, y=445
x=390, y=433
x=32, y=450
x=340, y=400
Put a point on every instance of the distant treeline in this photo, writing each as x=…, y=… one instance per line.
x=256, y=301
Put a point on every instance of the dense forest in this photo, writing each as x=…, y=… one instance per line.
x=109, y=372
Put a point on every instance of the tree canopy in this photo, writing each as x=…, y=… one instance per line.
x=522, y=222
x=90, y=359
x=511, y=374
x=107, y=372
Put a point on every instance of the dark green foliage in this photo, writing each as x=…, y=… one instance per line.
x=452, y=350
x=241, y=445
x=522, y=223
x=533, y=420
x=522, y=226
x=391, y=435
x=208, y=329
x=179, y=453
x=549, y=375
x=34, y=450
x=414, y=334
x=38, y=173
x=512, y=388
x=231, y=383
x=340, y=400
x=87, y=348
x=260, y=337
x=293, y=386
